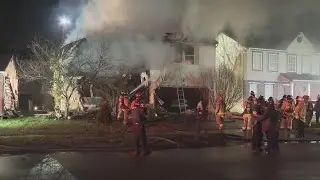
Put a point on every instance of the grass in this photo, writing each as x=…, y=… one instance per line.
x=31, y=131
x=44, y=126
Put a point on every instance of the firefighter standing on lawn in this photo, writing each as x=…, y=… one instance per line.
x=287, y=109
x=138, y=116
x=247, y=114
x=220, y=111
x=202, y=114
x=123, y=107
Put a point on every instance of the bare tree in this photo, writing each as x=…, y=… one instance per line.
x=48, y=65
x=229, y=52
x=60, y=68
x=223, y=81
x=227, y=77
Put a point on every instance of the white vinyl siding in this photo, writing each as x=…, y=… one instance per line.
x=257, y=61
x=253, y=87
x=268, y=90
x=273, y=62
x=292, y=63
x=306, y=64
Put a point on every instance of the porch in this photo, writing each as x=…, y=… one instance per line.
x=302, y=84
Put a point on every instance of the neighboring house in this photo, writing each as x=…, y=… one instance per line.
x=19, y=94
x=295, y=70
x=231, y=53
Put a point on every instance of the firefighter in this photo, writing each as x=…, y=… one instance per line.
x=317, y=110
x=252, y=94
x=123, y=107
x=284, y=98
x=287, y=109
x=257, y=134
x=220, y=111
x=300, y=116
x=247, y=114
x=309, y=110
x=202, y=113
x=138, y=116
x=272, y=116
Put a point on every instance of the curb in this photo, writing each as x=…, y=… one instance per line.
x=25, y=150
x=53, y=150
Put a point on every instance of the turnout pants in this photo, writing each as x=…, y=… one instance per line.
x=272, y=138
x=125, y=113
x=300, y=128
x=317, y=117
x=247, y=122
x=286, y=122
x=219, y=120
x=257, y=136
x=140, y=137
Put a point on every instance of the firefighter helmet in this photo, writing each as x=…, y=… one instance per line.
x=252, y=93
x=270, y=100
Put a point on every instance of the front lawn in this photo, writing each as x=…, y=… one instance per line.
x=45, y=126
x=45, y=132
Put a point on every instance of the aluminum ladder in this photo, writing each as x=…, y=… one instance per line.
x=180, y=89
x=181, y=100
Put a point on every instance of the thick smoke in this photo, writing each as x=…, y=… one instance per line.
x=136, y=27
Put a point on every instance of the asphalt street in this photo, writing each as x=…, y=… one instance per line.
x=294, y=162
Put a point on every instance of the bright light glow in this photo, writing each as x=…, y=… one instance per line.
x=64, y=21
x=35, y=108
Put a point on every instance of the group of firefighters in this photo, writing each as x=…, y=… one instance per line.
x=298, y=112
x=137, y=111
x=267, y=117
x=259, y=116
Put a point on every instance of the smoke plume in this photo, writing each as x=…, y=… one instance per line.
x=136, y=27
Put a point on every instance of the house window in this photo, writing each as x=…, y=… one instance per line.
x=273, y=62
x=292, y=63
x=257, y=61
x=306, y=64
x=189, y=55
x=253, y=87
x=268, y=90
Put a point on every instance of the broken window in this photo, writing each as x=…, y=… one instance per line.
x=185, y=54
x=189, y=54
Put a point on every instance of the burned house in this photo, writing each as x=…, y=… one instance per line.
x=178, y=84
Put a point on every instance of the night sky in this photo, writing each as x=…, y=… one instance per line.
x=21, y=20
